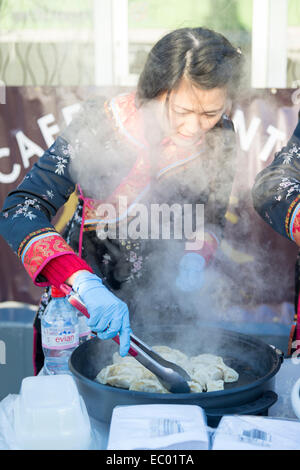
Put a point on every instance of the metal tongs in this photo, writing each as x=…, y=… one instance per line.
x=173, y=377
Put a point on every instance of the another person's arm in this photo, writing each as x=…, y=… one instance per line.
x=276, y=192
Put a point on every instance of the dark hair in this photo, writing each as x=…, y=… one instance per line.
x=201, y=55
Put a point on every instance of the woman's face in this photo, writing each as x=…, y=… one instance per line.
x=189, y=112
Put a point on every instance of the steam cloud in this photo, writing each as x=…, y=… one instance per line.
x=103, y=159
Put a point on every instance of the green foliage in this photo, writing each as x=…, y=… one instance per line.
x=294, y=13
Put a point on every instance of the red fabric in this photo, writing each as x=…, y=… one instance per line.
x=35, y=335
x=56, y=292
x=40, y=251
x=296, y=229
x=58, y=269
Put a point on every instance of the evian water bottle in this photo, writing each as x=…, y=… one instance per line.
x=84, y=330
x=60, y=333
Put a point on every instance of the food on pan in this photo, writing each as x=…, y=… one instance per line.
x=207, y=371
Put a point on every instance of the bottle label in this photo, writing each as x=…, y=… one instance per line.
x=53, y=339
x=84, y=329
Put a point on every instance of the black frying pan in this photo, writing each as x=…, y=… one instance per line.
x=255, y=361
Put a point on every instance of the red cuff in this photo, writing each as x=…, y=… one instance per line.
x=295, y=235
x=60, y=268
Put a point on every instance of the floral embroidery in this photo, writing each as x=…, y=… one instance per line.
x=65, y=149
x=289, y=184
x=288, y=156
x=133, y=258
x=287, y=159
x=24, y=209
x=49, y=194
x=60, y=165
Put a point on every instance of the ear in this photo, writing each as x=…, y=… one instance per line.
x=228, y=106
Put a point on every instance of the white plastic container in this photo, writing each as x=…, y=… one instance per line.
x=50, y=414
x=166, y=427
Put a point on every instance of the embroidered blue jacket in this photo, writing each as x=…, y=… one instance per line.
x=276, y=192
x=25, y=220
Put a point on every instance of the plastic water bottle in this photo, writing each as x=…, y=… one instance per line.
x=84, y=330
x=60, y=333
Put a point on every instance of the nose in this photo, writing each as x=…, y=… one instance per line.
x=205, y=123
x=191, y=124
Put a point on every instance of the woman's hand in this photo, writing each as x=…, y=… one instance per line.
x=108, y=314
x=191, y=272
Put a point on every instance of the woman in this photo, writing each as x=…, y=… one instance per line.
x=276, y=197
x=168, y=142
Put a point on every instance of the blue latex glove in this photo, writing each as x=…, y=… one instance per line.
x=191, y=272
x=108, y=314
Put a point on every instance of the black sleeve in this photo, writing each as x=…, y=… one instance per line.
x=276, y=192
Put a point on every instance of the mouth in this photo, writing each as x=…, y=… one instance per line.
x=187, y=137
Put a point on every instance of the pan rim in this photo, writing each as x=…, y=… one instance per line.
x=276, y=364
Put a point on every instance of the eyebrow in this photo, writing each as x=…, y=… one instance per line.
x=205, y=112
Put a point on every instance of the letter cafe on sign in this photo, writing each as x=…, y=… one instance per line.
x=47, y=128
x=262, y=125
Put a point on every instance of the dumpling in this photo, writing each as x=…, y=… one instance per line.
x=230, y=375
x=147, y=385
x=173, y=355
x=117, y=359
x=207, y=371
x=131, y=362
x=215, y=367
x=119, y=375
x=195, y=387
x=200, y=376
x=214, y=385
x=206, y=359
x=213, y=372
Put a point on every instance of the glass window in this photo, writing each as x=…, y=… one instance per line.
x=150, y=19
x=293, y=46
x=46, y=43
x=53, y=43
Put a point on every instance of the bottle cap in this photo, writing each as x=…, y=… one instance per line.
x=56, y=292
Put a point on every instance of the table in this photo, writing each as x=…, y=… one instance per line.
x=284, y=380
x=283, y=384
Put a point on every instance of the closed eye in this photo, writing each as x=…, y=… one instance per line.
x=182, y=113
x=211, y=114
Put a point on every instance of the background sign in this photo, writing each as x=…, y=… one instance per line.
x=258, y=263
